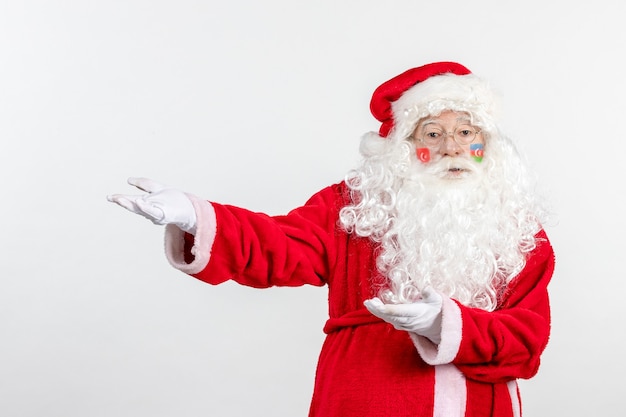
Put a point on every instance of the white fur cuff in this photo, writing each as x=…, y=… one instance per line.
x=203, y=240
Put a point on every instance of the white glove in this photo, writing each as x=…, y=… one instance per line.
x=162, y=205
x=422, y=317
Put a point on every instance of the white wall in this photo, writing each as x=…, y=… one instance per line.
x=260, y=104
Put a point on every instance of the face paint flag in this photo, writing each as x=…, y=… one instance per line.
x=423, y=154
x=477, y=151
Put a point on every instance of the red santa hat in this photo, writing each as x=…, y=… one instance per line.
x=400, y=102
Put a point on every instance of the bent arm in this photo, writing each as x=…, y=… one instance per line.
x=504, y=344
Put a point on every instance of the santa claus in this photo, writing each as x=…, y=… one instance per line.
x=432, y=249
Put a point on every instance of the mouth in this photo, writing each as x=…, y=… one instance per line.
x=456, y=173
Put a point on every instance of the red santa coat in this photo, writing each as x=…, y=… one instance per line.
x=366, y=367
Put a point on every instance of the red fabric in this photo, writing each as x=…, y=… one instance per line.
x=366, y=367
x=391, y=90
x=509, y=341
x=351, y=319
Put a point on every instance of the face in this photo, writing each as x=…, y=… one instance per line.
x=450, y=143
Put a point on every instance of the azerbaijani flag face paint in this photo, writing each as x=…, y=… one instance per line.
x=423, y=154
x=477, y=151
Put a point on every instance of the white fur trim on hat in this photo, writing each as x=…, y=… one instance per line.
x=463, y=93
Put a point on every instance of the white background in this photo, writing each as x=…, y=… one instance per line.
x=260, y=104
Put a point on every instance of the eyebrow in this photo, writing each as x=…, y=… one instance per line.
x=459, y=119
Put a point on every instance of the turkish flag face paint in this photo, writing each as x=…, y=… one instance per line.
x=423, y=154
x=477, y=151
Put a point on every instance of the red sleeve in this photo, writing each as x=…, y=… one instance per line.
x=507, y=343
x=261, y=251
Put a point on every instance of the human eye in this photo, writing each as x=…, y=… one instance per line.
x=464, y=133
x=465, y=130
x=432, y=133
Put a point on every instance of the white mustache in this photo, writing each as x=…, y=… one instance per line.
x=447, y=164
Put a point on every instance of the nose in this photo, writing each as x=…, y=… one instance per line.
x=449, y=147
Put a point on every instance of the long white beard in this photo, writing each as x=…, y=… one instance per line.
x=466, y=237
x=449, y=234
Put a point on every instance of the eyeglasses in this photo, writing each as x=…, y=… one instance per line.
x=462, y=135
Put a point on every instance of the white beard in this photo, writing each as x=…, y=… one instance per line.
x=447, y=233
x=459, y=226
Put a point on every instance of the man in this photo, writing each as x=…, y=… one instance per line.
x=432, y=249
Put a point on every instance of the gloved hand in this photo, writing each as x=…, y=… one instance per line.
x=422, y=317
x=162, y=205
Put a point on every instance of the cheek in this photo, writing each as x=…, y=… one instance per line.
x=423, y=154
x=477, y=151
